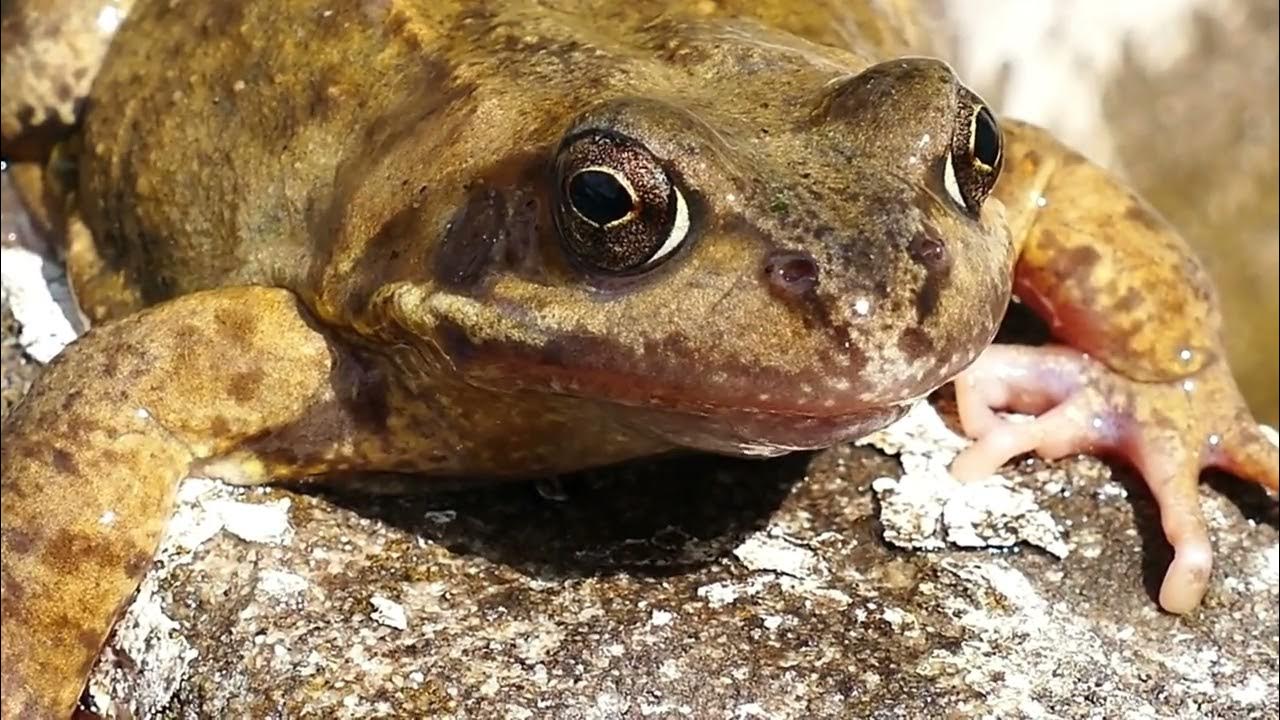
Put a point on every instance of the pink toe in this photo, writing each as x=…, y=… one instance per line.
x=1001, y=443
x=1187, y=579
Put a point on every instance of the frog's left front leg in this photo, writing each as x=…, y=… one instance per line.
x=239, y=382
x=1144, y=374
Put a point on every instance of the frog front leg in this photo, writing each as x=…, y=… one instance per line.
x=93, y=455
x=1143, y=374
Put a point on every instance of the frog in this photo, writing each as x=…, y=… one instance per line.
x=519, y=238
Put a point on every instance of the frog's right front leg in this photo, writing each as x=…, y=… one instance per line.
x=1143, y=373
x=93, y=455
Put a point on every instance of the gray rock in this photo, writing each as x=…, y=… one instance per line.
x=690, y=587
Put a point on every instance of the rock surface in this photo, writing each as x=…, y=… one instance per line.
x=694, y=587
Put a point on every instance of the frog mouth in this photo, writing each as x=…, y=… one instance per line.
x=687, y=417
x=760, y=433
x=740, y=412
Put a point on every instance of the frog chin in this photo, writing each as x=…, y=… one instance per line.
x=761, y=433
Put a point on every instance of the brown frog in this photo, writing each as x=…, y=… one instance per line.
x=515, y=238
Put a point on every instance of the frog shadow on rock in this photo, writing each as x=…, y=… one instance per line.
x=651, y=517
x=666, y=516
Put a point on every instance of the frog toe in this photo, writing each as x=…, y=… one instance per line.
x=1045, y=382
x=1248, y=451
x=1174, y=481
x=1051, y=436
x=1172, y=472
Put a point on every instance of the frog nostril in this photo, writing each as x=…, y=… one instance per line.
x=791, y=273
x=928, y=251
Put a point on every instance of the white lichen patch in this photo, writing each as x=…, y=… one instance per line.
x=282, y=584
x=751, y=710
x=193, y=523
x=927, y=509
x=266, y=523
x=145, y=632
x=1019, y=639
x=1254, y=691
x=1269, y=568
x=664, y=710
x=814, y=589
x=153, y=640
x=388, y=612
x=658, y=618
x=778, y=560
x=37, y=295
x=726, y=592
x=772, y=551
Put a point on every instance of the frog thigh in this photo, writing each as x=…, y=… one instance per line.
x=93, y=454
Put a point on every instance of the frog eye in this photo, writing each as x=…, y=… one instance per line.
x=977, y=153
x=618, y=211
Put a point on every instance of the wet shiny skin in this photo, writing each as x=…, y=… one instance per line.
x=332, y=238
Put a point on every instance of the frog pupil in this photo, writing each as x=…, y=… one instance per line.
x=986, y=139
x=599, y=197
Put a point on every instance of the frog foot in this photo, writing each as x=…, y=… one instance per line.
x=1169, y=431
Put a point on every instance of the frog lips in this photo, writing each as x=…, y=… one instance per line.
x=762, y=433
x=693, y=417
x=665, y=392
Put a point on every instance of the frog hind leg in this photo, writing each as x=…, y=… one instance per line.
x=102, y=289
x=93, y=454
x=1143, y=374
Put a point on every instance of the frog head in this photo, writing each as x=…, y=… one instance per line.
x=747, y=262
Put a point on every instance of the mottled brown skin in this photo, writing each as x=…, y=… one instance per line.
x=325, y=237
